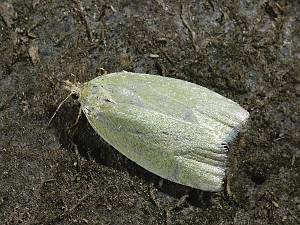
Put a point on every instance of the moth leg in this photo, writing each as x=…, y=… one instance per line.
x=152, y=194
x=182, y=201
x=77, y=118
x=78, y=163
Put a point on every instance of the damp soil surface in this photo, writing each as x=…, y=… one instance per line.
x=248, y=51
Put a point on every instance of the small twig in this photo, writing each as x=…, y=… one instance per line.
x=168, y=57
x=187, y=26
x=84, y=19
x=228, y=189
x=168, y=216
x=79, y=202
x=293, y=159
x=67, y=211
x=102, y=26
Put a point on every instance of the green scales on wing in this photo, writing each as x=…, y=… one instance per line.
x=173, y=128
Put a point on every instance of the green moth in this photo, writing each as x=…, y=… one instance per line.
x=173, y=128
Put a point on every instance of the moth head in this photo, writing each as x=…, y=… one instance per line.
x=73, y=88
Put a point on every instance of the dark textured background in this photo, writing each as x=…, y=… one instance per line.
x=246, y=50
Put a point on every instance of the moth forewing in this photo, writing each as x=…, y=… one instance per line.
x=175, y=129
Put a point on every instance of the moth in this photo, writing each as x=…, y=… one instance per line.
x=175, y=129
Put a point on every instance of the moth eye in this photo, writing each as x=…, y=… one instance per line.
x=75, y=96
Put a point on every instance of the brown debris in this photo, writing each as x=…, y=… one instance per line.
x=7, y=13
x=34, y=54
